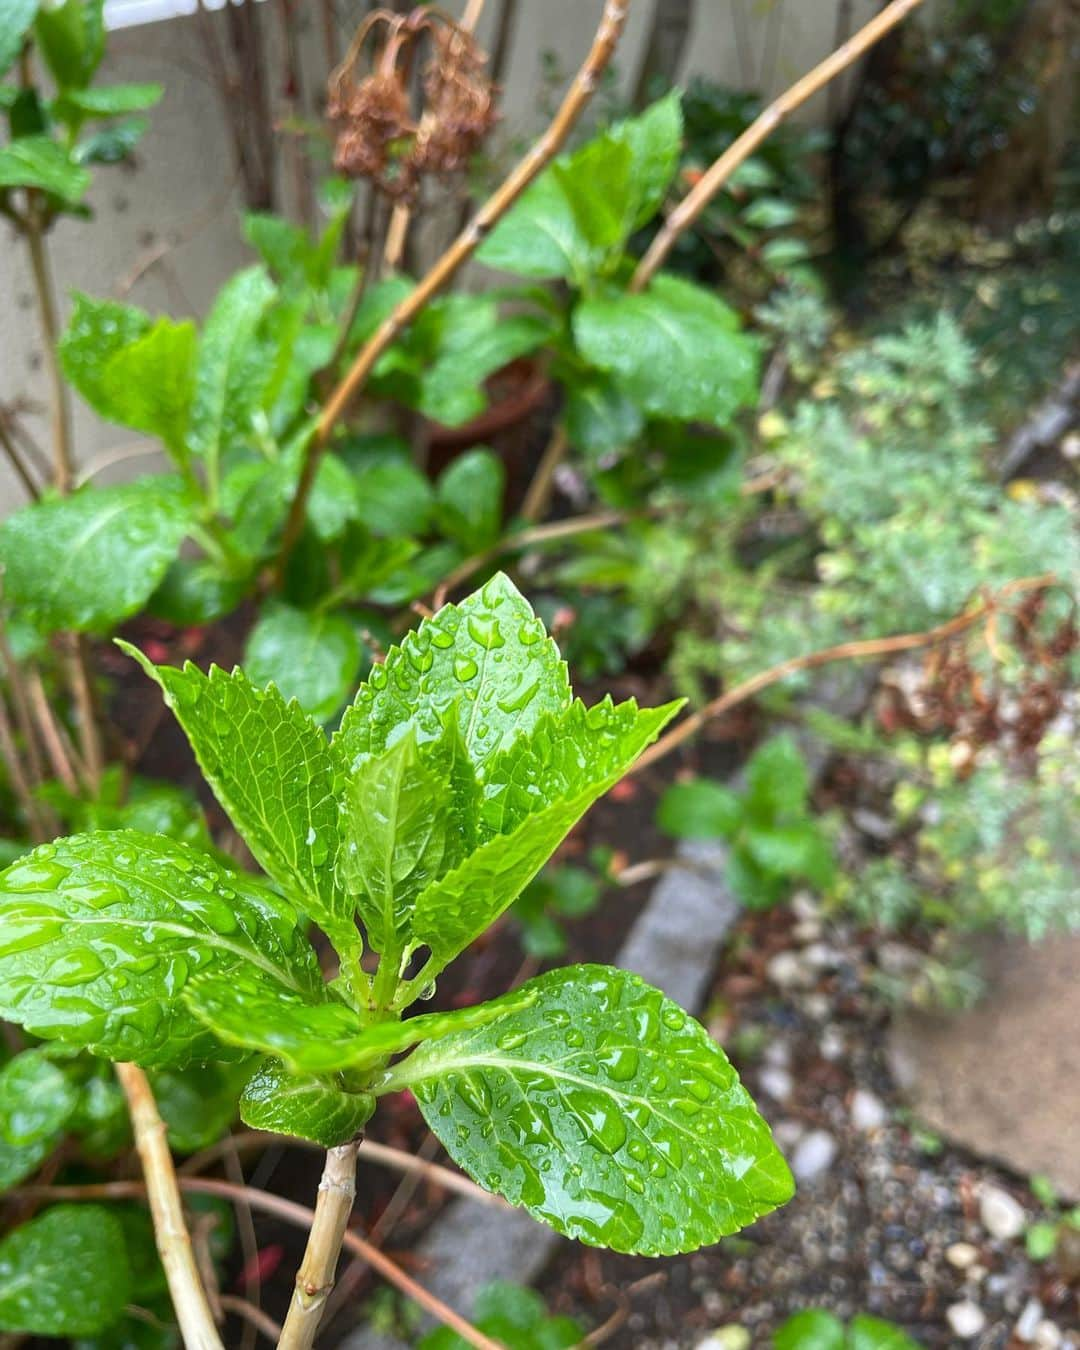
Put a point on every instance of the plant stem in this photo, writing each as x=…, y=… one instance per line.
x=463, y=247
x=718, y=173
x=163, y=1192
x=290, y=1212
x=18, y=463
x=64, y=468
x=82, y=688
x=844, y=651
x=315, y=1278
x=538, y=496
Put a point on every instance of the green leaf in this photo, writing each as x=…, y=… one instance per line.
x=108, y=100
x=284, y=247
x=306, y=1107
x=101, y=932
x=71, y=37
x=474, y=342
x=770, y=213
x=811, y=1329
x=97, y=331
x=674, y=349
x=607, y=1112
x=232, y=369
x=111, y=144
x=194, y=592
x=65, y=1273
x=470, y=498
x=701, y=809
x=777, y=780
x=599, y=417
x=408, y=820
x=579, y=213
x=311, y=656
x=796, y=850
x=199, y=1103
x=1040, y=1240
x=148, y=384
x=393, y=499
x=270, y=767
x=534, y=793
x=487, y=663
x=87, y=561
x=36, y=1102
x=16, y=18
x=511, y=1316
x=323, y=1037
x=40, y=162
x=874, y=1333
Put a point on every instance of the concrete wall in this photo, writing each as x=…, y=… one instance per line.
x=165, y=234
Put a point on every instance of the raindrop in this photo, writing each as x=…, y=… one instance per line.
x=465, y=668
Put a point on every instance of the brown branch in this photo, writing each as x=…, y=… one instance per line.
x=463, y=247
x=66, y=764
x=255, y=1317
x=718, y=173
x=249, y=1250
x=20, y=787
x=170, y=1231
x=290, y=1212
x=844, y=651
x=64, y=466
x=315, y=1278
x=538, y=495
x=18, y=463
x=80, y=676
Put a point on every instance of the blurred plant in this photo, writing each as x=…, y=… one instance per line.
x=774, y=838
x=1058, y=1231
x=561, y=891
x=511, y=1316
x=816, y=1329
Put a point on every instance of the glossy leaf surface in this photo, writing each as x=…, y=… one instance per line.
x=310, y=655
x=270, y=768
x=607, y=1112
x=65, y=1273
x=87, y=561
x=675, y=349
x=36, y=1101
x=102, y=931
x=308, y=1107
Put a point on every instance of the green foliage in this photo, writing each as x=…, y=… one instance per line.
x=456, y=773
x=39, y=162
x=816, y=1329
x=87, y=561
x=559, y=892
x=310, y=655
x=512, y=1316
x=774, y=837
x=636, y=1095
x=36, y=1102
x=65, y=1273
x=15, y=22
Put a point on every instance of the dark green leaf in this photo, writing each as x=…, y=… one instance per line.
x=16, y=17
x=393, y=499
x=64, y=1273
x=599, y=416
x=770, y=213
x=307, y=1107
x=701, y=809
x=270, y=768
x=111, y=144
x=102, y=931
x=199, y=1103
x=40, y=162
x=311, y=655
x=512, y=1316
x=87, y=561
x=796, y=850
x=194, y=592
x=674, y=349
x=657, y=1148
x=777, y=780
x=470, y=497
x=36, y=1102
x=812, y=1329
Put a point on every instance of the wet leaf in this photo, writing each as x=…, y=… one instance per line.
x=312, y=1108
x=606, y=1111
x=65, y=1273
x=36, y=1102
x=102, y=931
x=310, y=655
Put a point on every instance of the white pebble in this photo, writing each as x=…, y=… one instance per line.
x=832, y=1044
x=1027, y=1324
x=778, y=1083
x=1001, y=1215
x=787, y=1133
x=726, y=1338
x=804, y=906
x=966, y=1319
x=807, y=930
x=787, y=970
x=867, y=1111
x=814, y=1155
x=821, y=956
x=1048, y=1336
x=962, y=1255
